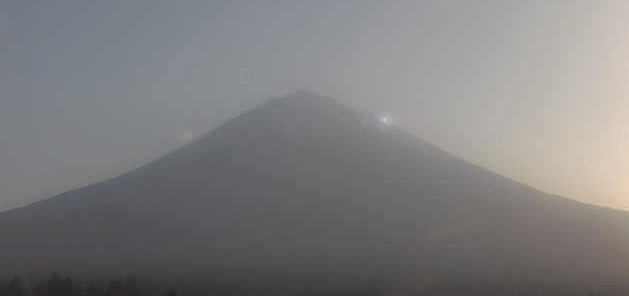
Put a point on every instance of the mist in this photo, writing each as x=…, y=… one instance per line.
x=531, y=90
x=398, y=148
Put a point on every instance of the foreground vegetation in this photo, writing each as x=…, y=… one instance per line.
x=58, y=286
x=65, y=286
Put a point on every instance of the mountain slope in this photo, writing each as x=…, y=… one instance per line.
x=304, y=185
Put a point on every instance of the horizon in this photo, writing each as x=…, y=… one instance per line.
x=294, y=95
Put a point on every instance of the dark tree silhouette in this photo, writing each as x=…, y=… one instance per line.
x=131, y=288
x=115, y=288
x=16, y=287
x=57, y=287
x=94, y=290
x=54, y=286
x=67, y=288
x=171, y=292
x=41, y=289
x=3, y=287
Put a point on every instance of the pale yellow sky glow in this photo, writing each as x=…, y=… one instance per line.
x=581, y=148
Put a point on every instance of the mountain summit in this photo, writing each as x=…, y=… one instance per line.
x=303, y=185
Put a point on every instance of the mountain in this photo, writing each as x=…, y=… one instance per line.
x=302, y=186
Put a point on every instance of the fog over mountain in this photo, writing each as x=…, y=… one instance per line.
x=302, y=186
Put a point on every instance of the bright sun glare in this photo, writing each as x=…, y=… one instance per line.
x=386, y=119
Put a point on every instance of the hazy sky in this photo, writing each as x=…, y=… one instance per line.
x=535, y=90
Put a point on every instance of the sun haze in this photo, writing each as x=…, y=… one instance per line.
x=534, y=90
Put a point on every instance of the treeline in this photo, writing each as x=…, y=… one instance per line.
x=65, y=286
x=58, y=286
x=221, y=284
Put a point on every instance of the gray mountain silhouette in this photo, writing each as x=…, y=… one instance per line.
x=303, y=185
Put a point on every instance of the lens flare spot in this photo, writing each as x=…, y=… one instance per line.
x=386, y=119
x=186, y=136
